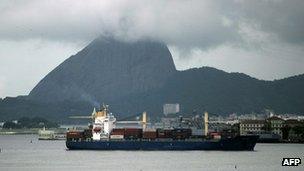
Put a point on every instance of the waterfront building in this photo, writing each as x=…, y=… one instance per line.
x=276, y=125
x=1, y=124
x=252, y=126
x=171, y=108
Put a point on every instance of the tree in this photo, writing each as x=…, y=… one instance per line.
x=267, y=127
x=299, y=130
x=235, y=128
x=285, y=130
x=11, y=125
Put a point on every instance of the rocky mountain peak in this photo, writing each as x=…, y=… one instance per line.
x=105, y=70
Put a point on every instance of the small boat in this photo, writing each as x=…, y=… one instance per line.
x=49, y=135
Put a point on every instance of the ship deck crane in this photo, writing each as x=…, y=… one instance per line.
x=143, y=122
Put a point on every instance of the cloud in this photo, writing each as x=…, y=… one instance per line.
x=24, y=63
x=186, y=24
x=267, y=64
x=282, y=18
x=261, y=38
x=2, y=86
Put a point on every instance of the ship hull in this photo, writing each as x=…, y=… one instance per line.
x=239, y=143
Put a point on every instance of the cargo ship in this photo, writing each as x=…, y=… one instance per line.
x=103, y=135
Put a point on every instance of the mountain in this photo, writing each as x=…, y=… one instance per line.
x=209, y=89
x=287, y=95
x=17, y=107
x=105, y=70
x=140, y=76
x=220, y=92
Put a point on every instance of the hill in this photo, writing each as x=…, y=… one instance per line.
x=140, y=76
x=105, y=70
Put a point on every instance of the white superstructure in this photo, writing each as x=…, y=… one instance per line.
x=103, y=123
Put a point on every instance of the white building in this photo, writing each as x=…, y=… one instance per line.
x=252, y=126
x=171, y=108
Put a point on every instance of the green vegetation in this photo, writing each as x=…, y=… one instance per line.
x=13, y=108
x=26, y=122
x=299, y=130
x=267, y=127
x=200, y=89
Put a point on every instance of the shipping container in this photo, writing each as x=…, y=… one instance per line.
x=118, y=131
x=215, y=135
x=87, y=133
x=117, y=136
x=149, y=134
x=181, y=133
x=133, y=133
x=164, y=133
x=74, y=135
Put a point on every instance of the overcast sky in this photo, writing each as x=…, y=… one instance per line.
x=263, y=39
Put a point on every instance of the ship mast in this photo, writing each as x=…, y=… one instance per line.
x=144, y=120
x=206, y=123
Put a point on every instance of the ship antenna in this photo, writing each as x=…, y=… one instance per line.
x=94, y=113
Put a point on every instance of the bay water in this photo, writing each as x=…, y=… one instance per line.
x=26, y=152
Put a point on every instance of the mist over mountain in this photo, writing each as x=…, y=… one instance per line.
x=140, y=76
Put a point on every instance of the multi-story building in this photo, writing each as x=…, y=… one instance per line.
x=276, y=125
x=252, y=126
x=171, y=108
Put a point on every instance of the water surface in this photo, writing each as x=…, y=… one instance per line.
x=25, y=152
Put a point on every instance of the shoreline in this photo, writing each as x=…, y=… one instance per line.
x=29, y=131
x=60, y=131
